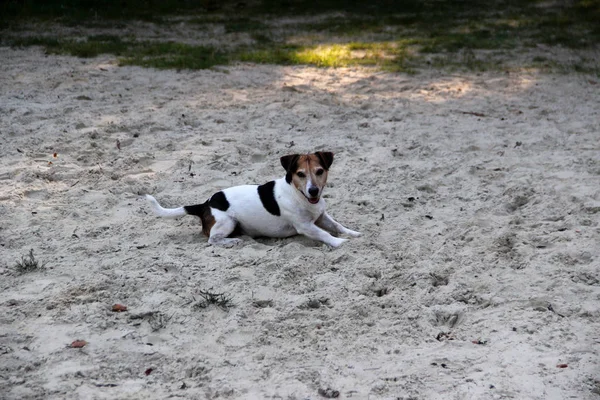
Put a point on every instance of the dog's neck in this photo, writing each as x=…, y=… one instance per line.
x=291, y=189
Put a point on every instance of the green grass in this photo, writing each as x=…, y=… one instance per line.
x=47, y=42
x=582, y=66
x=161, y=55
x=389, y=56
x=282, y=55
x=164, y=55
x=335, y=55
x=92, y=47
x=394, y=35
x=173, y=55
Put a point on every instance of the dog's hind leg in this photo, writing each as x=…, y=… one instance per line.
x=223, y=227
x=329, y=224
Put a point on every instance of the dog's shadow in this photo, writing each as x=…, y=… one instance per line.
x=282, y=242
x=185, y=237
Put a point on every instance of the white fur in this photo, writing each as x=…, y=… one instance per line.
x=308, y=186
x=298, y=216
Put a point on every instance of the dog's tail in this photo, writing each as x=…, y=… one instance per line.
x=166, y=212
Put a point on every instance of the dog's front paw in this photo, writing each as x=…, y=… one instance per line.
x=352, y=233
x=336, y=242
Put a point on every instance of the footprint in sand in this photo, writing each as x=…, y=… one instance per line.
x=41, y=194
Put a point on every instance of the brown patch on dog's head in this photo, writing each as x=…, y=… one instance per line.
x=308, y=173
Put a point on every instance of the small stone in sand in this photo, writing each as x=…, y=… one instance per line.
x=329, y=393
x=119, y=308
x=77, y=344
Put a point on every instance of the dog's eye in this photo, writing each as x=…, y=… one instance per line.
x=320, y=172
x=301, y=174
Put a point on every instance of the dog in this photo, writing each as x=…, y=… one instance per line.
x=280, y=208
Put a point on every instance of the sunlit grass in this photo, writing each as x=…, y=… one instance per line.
x=389, y=56
x=325, y=56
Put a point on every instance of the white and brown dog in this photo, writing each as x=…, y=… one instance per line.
x=281, y=208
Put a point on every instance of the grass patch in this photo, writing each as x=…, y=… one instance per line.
x=221, y=300
x=391, y=35
x=281, y=55
x=581, y=66
x=92, y=47
x=172, y=55
x=28, y=263
x=390, y=56
x=162, y=55
x=324, y=56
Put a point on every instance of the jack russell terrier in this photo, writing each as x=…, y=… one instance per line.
x=281, y=208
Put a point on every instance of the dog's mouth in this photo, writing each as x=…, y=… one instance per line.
x=311, y=200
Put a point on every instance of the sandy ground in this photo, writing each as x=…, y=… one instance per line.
x=478, y=271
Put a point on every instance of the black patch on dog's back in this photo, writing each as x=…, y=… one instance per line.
x=219, y=201
x=266, y=193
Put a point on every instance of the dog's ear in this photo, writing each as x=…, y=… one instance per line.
x=325, y=157
x=288, y=162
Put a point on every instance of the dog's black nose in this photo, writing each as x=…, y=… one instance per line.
x=313, y=191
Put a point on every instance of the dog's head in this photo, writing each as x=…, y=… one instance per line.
x=308, y=173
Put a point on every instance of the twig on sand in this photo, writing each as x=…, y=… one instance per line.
x=550, y=308
x=477, y=114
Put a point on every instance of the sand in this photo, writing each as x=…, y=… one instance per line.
x=478, y=196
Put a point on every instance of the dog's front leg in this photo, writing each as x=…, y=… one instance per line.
x=326, y=222
x=314, y=232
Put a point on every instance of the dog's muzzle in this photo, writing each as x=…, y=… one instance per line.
x=311, y=199
x=314, y=195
